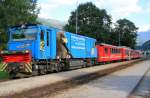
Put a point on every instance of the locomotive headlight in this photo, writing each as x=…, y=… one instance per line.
x=58, y=57
x=2, y=52
x=27, y=51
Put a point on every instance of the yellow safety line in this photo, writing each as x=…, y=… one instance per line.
x=28, y=68
x=30, y=65
x=4, y=67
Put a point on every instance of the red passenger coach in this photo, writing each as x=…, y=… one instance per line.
x=108, y=53
x=126, y=53
x=135, y=54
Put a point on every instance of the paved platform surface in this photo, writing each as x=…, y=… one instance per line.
x=143, y=90
x=116, y=85
x=20, y=85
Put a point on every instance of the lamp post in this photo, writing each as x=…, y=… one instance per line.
x=77, y=17
x=119, y=38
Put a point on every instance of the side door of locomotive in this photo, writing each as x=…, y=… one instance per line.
x=45, y=44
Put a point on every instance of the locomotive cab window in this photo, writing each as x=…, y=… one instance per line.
x=19, y=34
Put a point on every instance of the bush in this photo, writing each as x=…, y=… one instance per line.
x=0, y=59
x=4, y=75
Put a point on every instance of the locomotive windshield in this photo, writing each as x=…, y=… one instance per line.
x=18, y=34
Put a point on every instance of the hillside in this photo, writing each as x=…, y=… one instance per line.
x=146, y=45
x=52, y=23
x=143, y=37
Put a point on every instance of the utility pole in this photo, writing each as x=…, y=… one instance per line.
x=77, y=17
x=119, y=38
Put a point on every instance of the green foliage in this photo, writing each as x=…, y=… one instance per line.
x=92, y=22
x=14, y=12
x=126, y=31
x=0, y=60
x=96, y=23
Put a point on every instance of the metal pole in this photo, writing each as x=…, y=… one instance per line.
x=77, y=17
x=119, y=38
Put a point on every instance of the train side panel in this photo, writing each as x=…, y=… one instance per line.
x=103, y=53
x=81, y=46
x=115, y=54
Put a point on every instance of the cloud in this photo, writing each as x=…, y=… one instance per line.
x=119, y=8
x=46, y=9
x=144, y=28
x=50, y=7
x=148, y=8
x=116, y=8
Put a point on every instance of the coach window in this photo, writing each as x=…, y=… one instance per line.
x=106, y=50
x=111, y=50
x=126, y=52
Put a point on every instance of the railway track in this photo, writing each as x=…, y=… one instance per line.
x=20, y=76
x=115, y=85
x=72, y=81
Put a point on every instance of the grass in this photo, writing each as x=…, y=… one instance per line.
x=3, y=75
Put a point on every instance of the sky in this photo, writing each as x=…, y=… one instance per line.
x=138, y=11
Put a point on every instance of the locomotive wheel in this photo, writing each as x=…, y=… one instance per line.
x=12, y=75
x=84, y=65
x=58, y=67
x=66, y=66
x=41, y=72
x=13, y=69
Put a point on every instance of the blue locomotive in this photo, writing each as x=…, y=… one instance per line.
x=39, y=49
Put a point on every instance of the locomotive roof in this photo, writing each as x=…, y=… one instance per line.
x=103, y=44
x=24, y=24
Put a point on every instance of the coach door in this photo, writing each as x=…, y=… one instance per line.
x=106, y=53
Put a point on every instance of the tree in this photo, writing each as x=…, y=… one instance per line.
x=92, y=22
x=125, y=33
x=14, y=12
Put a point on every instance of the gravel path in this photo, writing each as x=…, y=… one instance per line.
x=116, y=85
x=18, y=86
